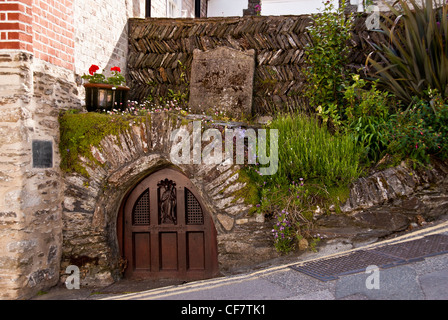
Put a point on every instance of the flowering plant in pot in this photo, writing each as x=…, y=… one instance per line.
x=95, y=77
x=105, y=93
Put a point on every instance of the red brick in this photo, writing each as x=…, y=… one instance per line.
x=44, y=56
x=12, y=26
x=13, y=35
x=10, y=45
x=43, y=5
x=37, y=45
x=52, y=51
x=20, y=17
x=20, y=36
x=27, y=2
x=29, y=47
x=11, y=7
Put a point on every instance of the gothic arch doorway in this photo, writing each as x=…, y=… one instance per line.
x=165, y=231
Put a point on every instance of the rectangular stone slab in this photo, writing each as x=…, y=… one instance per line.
x=222, y=80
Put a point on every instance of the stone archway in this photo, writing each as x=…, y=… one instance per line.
x=165, y=231
x=92, y=204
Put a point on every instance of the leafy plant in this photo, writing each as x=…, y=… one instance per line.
x=116, y=78
x=366, y=114
x=416, y=56
x=283, y=233
x=421, y=130
x=327, y=55
x=292, y=208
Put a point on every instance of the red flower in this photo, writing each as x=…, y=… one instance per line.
x=93, y=68
x=115, y=69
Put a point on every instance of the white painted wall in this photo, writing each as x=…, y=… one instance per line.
x=230, y=8
x=226, y=8
x=291, y=7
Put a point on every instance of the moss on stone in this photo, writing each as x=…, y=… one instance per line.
x=79, y=132
x=249, y=192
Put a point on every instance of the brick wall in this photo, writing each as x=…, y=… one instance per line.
x=42, y=27
x=53, y=32
x=101, y=32
x=16, y=25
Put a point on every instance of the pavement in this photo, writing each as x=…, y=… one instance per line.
x=423, y=279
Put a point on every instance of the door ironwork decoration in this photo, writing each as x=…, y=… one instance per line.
x=166, y=230
x=167, y=201
x=193, y=209
x=140, y=213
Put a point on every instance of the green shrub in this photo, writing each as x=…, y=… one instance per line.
x=327, y=55
x=421, y=131
x=366, y=115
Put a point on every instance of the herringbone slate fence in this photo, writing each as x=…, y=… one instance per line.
x=156, y=46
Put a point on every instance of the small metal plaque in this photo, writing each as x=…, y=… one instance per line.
x=42, y=154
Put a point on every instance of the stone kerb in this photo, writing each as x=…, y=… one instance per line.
x=91, y=205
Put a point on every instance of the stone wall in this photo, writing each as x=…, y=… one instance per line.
x=388, y=201
x=32, y=94
x=156, y=46
x=91, y=204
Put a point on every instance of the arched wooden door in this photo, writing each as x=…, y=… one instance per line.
x=167, y=232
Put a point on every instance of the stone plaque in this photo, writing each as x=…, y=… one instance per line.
x=222, y=80
x=42, y=154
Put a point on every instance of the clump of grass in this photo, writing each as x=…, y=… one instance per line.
x=309, y=151
x=315, y=169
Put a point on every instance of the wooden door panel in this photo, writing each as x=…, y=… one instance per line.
x=142, y=251
x=195, y=251
x=168, y=253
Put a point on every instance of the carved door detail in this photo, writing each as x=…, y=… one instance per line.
x=166, y=230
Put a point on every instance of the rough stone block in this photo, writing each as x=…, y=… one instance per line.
x=222, y=80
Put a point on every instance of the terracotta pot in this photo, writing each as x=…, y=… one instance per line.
x=100, y=97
